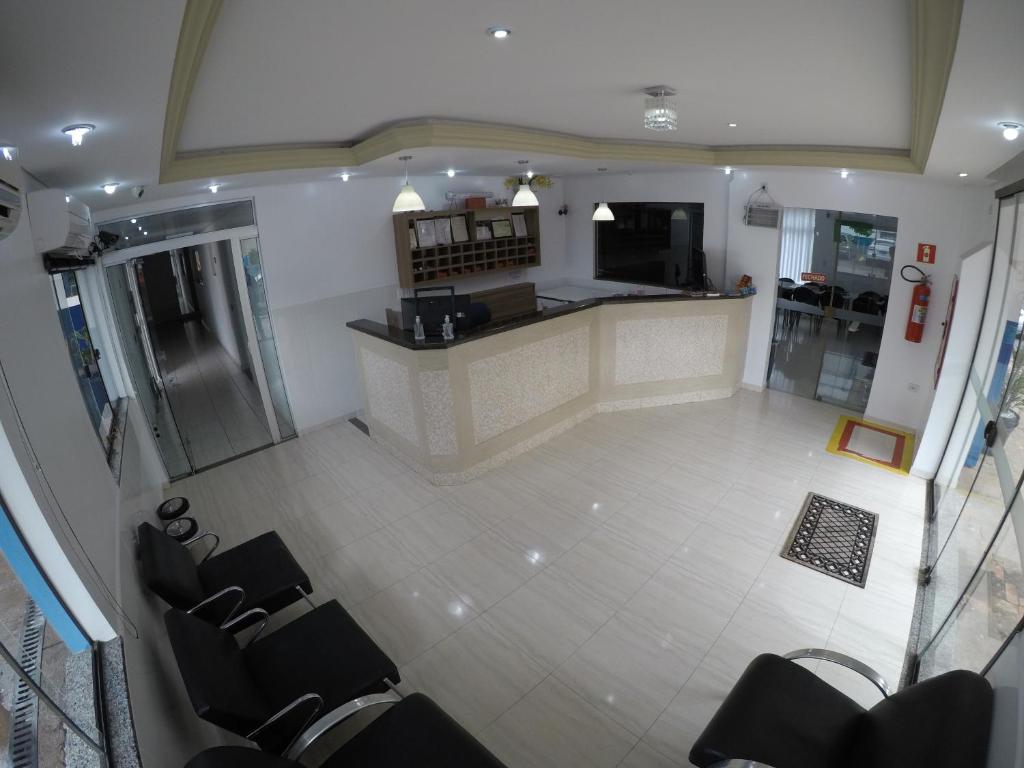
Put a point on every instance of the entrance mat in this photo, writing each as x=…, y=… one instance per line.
x=881, y=446
x=833, y=538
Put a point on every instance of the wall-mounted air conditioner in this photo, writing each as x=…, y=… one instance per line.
x=10, y=197
x=61, y=229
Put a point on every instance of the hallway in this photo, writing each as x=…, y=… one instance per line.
x=216, y=406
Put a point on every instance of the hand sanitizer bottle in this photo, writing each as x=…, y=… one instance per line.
x=417, y=330
x=447, y=329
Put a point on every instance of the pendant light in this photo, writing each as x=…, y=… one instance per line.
x=407, y=199
x=603, y=213
x=524, y=195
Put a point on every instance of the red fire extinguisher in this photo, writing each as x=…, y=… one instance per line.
x=918, y=304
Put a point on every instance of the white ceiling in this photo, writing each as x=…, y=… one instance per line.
x=106, y=62
x=787, y=71
x=790, y=72
x=986, y=86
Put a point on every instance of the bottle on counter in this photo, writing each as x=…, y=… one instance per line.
x=417, y=330
x=447, y=329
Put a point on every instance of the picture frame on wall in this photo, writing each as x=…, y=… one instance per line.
x=460, y=232
x=425, y=233
x=443, y=231
x=412, y=236
x=519, y=224
x=501, y=227
x=483, y=231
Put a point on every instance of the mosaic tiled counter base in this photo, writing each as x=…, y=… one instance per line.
x=460, y=410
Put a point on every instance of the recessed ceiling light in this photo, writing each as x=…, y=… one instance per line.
x=67, y=198
x=135, y=221
x=529, y=174
x=499, y=33
x=8, y=151
x=962, y=175
x=213, y=188
x=110, y=187
x=451, y=173
x=126, y=237
x=1010, y=130
x=145, y=234
x=345, y=176
x=843, y=173
x=140, y=229
x=728, y=170
x=732, y=125
x=77, y=132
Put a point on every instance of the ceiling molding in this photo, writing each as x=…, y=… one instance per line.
x=196, y=27
x=935, y=28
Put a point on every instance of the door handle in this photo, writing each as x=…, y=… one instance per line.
x=991, y=432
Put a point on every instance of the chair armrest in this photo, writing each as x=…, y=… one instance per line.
x=251, y=612
x=335, y=717
x=842, y=659
x=203, y=535
x=312, y=700
x=217, y=596
x=733, y=763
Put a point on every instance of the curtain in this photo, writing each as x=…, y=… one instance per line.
x=797, y=242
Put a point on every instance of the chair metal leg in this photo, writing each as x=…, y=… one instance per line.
x=306, y=597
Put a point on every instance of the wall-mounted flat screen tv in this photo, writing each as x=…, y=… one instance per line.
x=652, y=244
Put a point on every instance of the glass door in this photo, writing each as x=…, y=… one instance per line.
x=255, y=287
x=975, y=592
x=834, y=274
x=149, y=389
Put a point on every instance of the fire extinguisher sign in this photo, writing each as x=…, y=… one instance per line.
x=926, y=253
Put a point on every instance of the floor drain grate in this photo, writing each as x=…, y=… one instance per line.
x=833, y=538
x=25, y=711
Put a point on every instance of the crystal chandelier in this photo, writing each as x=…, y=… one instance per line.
x=660, y=109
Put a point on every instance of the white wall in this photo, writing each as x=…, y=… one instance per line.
x=952, y=216
x=91, y=517
x=328, y=251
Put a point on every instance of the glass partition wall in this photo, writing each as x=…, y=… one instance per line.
x=191, y=306
x=833, y=289
x=974, y=595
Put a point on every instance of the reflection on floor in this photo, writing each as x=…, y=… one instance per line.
x=590, y=603
x=834, y=363
x=216, y=406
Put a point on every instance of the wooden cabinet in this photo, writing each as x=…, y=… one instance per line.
x=422, y=262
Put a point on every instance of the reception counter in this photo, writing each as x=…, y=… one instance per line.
x=458, y=408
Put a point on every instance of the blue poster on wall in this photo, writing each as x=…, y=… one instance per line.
x=995, y=389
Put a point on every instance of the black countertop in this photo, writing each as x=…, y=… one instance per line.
x=405, y=338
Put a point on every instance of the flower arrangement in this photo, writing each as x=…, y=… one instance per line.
x=537, y=182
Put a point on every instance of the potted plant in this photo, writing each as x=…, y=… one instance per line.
x=1013, y=400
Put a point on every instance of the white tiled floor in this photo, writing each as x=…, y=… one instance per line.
x=591, y=603
x=216, y=407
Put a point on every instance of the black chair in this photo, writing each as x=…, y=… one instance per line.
x=271, y=690
x=259, y=573
x=413, y=733
x=780, y=715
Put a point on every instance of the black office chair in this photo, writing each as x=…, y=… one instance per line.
x=271, y=690
x=781, y=715
x=413, y=733
x=259, y=573
x=805, y=294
